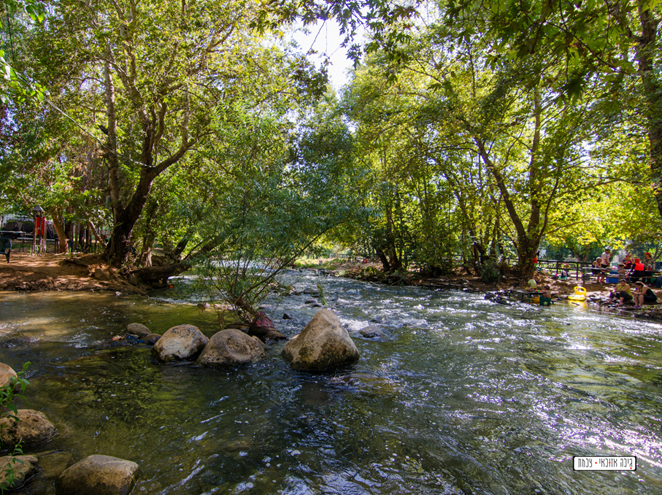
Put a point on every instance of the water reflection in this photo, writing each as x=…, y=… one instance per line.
x=462, y=395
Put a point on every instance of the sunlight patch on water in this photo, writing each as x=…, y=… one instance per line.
x=463, y=396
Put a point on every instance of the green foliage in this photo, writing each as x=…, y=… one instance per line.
x=492, y=128
x=274, y=195
x=489, y=272
x=15, y=388
x=17, y=14
x=322, y=296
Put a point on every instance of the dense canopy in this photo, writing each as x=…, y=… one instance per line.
x=197, y=131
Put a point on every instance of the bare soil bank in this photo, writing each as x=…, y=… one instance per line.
x=61, y=272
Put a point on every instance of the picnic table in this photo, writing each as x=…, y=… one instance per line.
x=522, y=294
x=572, y=266
x=11, y=234
x=23, y=242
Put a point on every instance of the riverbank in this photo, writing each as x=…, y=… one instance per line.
x=89, y=273
x=596, y=294
x=47, y=272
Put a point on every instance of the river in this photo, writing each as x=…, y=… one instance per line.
x=461, y=395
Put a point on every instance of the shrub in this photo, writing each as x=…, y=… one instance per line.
x=489, y=272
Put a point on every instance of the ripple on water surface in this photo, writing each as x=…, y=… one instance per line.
x=460, y=395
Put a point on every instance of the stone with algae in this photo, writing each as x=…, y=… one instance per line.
x=98, y=475
x=323, y=345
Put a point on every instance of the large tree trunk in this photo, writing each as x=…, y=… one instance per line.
x=120, y=239
x=58, y=223
x=526, y=252
x=646, y=52
x=157, y=276
x=386, y=266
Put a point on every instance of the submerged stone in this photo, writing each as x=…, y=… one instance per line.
x=371, y=331
x=138, y=329
x=6, y=374
x=22, y=466
x=98, y=475
x=151, y=339
x=31, y=428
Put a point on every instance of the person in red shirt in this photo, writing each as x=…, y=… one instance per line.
x=637, y=271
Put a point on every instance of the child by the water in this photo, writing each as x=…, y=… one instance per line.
x=532, y=284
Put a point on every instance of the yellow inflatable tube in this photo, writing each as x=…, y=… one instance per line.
x=579, y=295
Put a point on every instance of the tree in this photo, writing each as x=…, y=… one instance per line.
x=506, y=122
x=276, y=190
x=137, y=88
x=17, y=13
x=616, y=43
x=165, y=75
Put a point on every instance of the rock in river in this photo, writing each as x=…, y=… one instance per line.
x=151, y=339
x=138, y=329
x=6, y=374
x=323, y=345
x=263, y=328
x=180, y=342
x=32, y=427
x=98, y=475
x=231, y=348
x=371, y=331
x=23, y=466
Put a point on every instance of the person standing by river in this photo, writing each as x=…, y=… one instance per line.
x=606, y=256
x=5, y=247
x=598, y=270
x=648, y=267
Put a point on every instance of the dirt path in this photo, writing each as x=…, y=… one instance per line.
x=60, y=272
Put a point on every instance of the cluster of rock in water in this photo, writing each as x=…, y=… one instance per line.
x=98, y=474
x=322, y=345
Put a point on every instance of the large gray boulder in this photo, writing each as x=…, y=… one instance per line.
x=23, y=467
x=323, y=345
x=6, y=374
x=138, y=329
x=180, y=342
x=98, y=475
x=231, y=347
x=32, y=427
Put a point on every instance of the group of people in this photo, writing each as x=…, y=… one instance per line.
x=640, y=293
x=629, y=269
x=638, y=272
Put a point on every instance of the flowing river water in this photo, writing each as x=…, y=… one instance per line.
x=461, y=395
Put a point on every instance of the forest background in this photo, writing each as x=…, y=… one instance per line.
x=197, y=131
